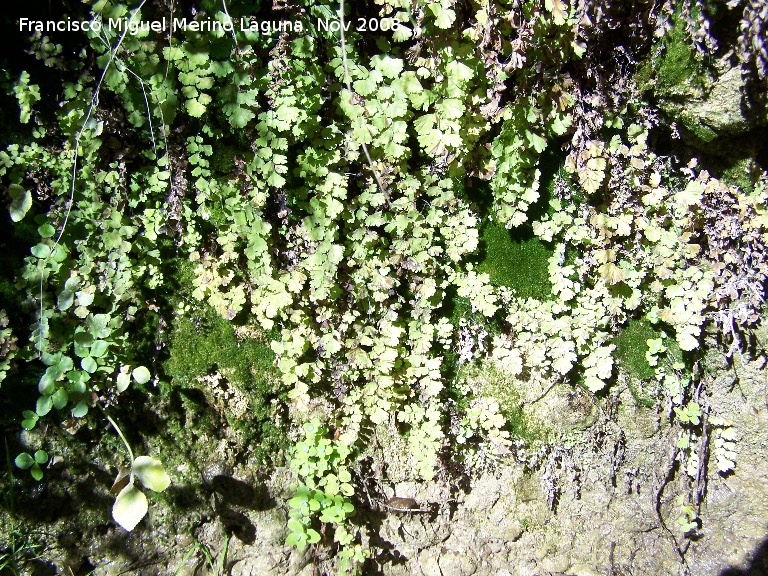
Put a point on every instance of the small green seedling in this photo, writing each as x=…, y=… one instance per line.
x=27, y=462
x=688, y=521
x=131, y=504
x=30, y=419
x=690, y=414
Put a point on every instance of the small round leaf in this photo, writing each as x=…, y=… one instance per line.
x=141, y=374
x=30, y=420
x=123, y=380
x=47, y=383
x=24, y=461
x=151, y=473
x=21, y=202
x=46, y=230
x=83, y=338
x=313, y=536
x=80, y=409
x=89, y=364
x=44, y=405
x=60, y=398
x=99, y=348
x=37, y=472
x=41, y=251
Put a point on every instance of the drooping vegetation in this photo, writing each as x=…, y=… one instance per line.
x=321, y=231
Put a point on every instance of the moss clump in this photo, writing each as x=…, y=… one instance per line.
x=518, y=264
x=489, y=381
x=677, y=65
x=204, y=345
x=739, y=174
x=675, y=73
x=205, y=342
x=631, y=346
x=702, y=132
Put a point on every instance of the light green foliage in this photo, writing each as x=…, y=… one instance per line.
x=533, y=118
x=131, y=504
x=8, y=348
x=689, y=414
x=724, y=440
x=21, y=202
x=343, y=219
x=667, y=274
x=483, y=420
x=322, y=494
x=688, y=521
x=27, y=94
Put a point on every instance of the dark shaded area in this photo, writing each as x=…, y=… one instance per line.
x=373, y=519
x=18, y=59
x=757, y=567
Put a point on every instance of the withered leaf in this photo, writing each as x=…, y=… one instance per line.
x=123, y=477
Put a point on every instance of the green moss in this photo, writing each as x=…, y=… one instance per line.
x=644, y=76
x=738, y=174
x=503, y=389
x=518, y=264
x=702, y=132
x=631, y=346
x=677, y=65
x=202, y=343
x=206, y=342
x=676, y=71
x=223, y=159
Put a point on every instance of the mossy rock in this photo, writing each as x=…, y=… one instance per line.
x=485, y=379
x=706, y=98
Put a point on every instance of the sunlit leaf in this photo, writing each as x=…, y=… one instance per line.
x=130, y=507
x=21, y=202
x=141, y=374
x=151, y=473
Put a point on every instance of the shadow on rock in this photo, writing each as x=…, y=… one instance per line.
x=758, y=566
x=239, y=524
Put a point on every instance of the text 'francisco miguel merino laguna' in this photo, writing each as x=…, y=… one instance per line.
x=136, y=26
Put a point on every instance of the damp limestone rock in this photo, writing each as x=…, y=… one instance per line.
x=722, y=109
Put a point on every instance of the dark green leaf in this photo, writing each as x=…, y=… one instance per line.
x=24, y=460
x=60, y=398
x=37, y=472
x=46, y=230
x=44, y=405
